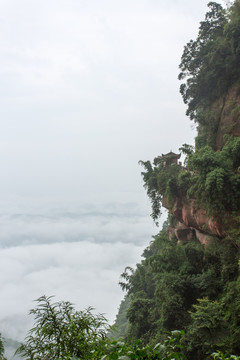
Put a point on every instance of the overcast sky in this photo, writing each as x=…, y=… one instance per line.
x=87, y=89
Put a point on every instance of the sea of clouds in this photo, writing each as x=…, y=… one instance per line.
x=76, y=253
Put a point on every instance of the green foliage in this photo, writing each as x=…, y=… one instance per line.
x=1, y=349
x=210, y=69
x=211, y=178
x=170, y=349
x=187, y=150
x=209, y=64
x=221, y=356
x=189, y=286
x=216, y=181
x=231, y=297
x=120, y=327
x=203, y=63
x=151, y=185
x=61, y=333
x=165, y=287
x=208, y=329
x=164, y=182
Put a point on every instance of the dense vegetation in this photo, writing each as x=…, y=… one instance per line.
x=1, y=349
x=212, y=178
x=186, y=286
x=62, y=333
x=210, y=69
x=210, y=64
x=211, y=175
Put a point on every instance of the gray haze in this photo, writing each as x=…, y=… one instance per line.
x=87, y=89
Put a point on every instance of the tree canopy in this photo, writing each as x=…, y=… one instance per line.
x=61, y=333
x=210, y=64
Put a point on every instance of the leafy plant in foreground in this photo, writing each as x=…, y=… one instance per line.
x=170, y=349
x=221, y=356
x=61, y=333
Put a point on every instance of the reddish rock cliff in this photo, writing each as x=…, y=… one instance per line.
x=194, y=221
x=222, y=118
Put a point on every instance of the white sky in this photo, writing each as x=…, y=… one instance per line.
x=87, y=89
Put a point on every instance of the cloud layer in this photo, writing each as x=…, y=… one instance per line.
x=112, y=222
x=84, y=273
x=76, y=253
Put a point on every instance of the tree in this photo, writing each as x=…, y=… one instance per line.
x=1, y=349
x=61, y=333
x=170, y=349
x=208, y=329
x=163, y=182
x=204, y=63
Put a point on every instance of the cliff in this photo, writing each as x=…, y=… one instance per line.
x=204, y=196
x=228, y=115
x=194, y=222
x=197, y=216
x=181, y=283
x=221, y=118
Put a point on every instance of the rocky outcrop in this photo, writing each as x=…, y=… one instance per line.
x=194, y=221
x=203, y=238
x=222, y=118
x=185, y=234
x=187, y=212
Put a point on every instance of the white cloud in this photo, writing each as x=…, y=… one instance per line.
x=111, y=222
x=74, y=252
x=84, y=273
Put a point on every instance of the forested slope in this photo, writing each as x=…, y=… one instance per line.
x=189, y=276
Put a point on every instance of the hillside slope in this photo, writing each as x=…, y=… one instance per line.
x=189, y=276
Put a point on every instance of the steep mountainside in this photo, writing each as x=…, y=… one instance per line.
x=189, y=277
x=227, y=113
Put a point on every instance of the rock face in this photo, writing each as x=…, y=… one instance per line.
x=187, y=212
x=193, y=221
x=224, y=117
x=226, y=112
x=229, y=118
x=185, y=234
